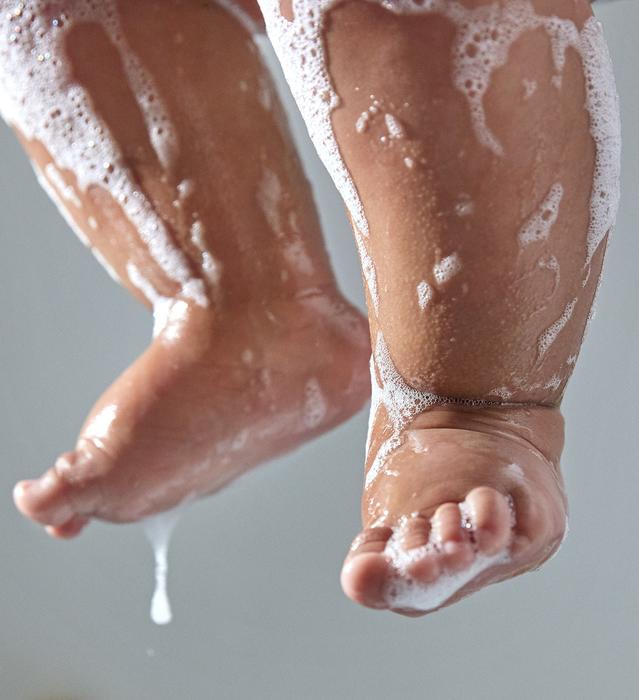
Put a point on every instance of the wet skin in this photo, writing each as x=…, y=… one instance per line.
x=480, y=331
x=277, y=355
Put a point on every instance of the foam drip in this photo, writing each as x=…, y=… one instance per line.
x=549, y=336
x=482, y=43
x=539, y=225
x=39, y=97
x=158, y=529
x=401, y=402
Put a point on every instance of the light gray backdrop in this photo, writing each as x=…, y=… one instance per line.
x=254, y=570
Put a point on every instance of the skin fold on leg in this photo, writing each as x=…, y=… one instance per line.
x=157, y=129
x=476, y=145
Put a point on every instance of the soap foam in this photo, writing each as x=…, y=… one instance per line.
x=549, y=336
x=484, y=37
x=394, y=127
x=539, y=225
x=424, y=294
x=40, y=98
x=447, y=268
x=404, y=592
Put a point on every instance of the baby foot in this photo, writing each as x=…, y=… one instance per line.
x=472, y=496
x=209, y=399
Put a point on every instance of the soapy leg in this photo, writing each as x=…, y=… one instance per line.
x=476, y=145
x=157, y=129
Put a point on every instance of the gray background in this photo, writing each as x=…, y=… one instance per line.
x=254, y=570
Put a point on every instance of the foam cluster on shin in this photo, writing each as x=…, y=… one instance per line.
x=483, y=37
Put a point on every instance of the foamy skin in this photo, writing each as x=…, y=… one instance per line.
x=447, y=268
x=168, y=314
x=549, y=336
x=404, y=592
x=484, y=37
x=402, y=403
x=158, y=529
x=539, y=225
x=40, y=98
x=551, y=263
x=424, y=294
x=394, y=127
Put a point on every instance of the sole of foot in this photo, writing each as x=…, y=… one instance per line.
x=209, y=399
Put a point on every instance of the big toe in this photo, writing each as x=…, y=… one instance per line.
x=55, y=500
x=366, y=570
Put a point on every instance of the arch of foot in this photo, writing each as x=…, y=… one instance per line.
x=484, y=34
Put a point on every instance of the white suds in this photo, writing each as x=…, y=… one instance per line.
x=362, y=122
x=315, y=407
x=40, y=97
x=424, y=294
x=361, y=125
x=211, y=267
x=503, y=392
x=409, y=163
x=65, y=191
x=482, y=43
x=538, y=226
x=605, y=126
x=168, y=314
x=158, y=529
x=404, y=592
x=447, y=268
x=551, y=263
x=394, y=127
x=401, y=401
x=530, y=88
x=549, y=336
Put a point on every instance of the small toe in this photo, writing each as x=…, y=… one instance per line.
x=366, y=570
x=490, y=517
x=72, y=528
x=456, y=550
x=415, y=532
x=426, y=569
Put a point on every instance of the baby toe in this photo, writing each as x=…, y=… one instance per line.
x=490, y=517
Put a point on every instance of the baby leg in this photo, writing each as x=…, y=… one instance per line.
x=172, y=160
x=476, y=145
